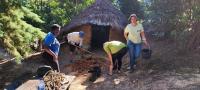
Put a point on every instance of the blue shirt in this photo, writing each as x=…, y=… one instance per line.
x=52, y=43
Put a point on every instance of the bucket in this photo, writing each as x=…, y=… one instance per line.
x=42, y=70
x=146, y=53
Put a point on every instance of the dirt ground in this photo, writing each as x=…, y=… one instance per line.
x=166, y=70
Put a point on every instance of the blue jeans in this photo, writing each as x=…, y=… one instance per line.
x=134, y=52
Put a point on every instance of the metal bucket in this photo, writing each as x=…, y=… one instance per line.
x=146, y=53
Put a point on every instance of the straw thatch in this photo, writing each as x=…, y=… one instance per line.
x=102, y=12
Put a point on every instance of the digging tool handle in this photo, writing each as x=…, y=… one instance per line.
x=88, y=51
x=84, y=50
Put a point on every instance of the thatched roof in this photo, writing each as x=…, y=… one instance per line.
x=102, y=12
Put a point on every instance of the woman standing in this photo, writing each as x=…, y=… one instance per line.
x=134, y=34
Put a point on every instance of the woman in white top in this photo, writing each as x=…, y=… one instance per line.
x=74, y=39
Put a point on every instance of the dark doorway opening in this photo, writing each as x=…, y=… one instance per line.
x=100, y=34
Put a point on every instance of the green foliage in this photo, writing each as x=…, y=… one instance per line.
x=21, y=20
x=129, y=7
x=1, y=57
x=1, y=31
x=178, y=18
x=116, y=3
x=57, y=11
x=16, y=33
x=31, y=15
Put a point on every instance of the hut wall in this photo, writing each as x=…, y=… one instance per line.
x=113, y=35
x=88, y=35
x=116, y=35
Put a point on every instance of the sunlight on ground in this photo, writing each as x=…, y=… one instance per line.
x=118, y=80
x=29, y=85
x=77, y=84
x=99, y=80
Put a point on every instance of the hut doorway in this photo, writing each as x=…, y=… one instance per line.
x=100, y=34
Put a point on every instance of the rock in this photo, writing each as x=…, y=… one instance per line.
x=116, y=81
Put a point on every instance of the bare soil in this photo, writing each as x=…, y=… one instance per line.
x=166, y=70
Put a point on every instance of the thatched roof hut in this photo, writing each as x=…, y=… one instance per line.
x=100, y=18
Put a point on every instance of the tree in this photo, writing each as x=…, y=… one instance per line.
x=57, y=11
x=16, y=34
x=131, y=6
x=178, y=19
x=21, y=20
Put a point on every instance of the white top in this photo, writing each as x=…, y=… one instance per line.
x=74, y=38
x=134, y=32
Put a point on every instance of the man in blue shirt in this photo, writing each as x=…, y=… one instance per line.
x=52, y=46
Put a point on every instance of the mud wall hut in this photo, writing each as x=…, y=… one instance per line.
x=101, y=22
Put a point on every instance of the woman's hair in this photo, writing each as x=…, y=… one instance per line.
x=132, y=15
x=55, y=27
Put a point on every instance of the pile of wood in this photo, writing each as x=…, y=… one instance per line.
x=56, y=81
